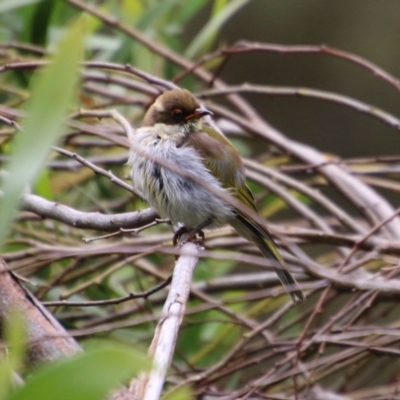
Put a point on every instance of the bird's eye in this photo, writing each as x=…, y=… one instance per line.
x=177, y=113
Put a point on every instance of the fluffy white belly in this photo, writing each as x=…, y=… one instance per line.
x=175, y=196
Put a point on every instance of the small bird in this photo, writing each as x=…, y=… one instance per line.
x=175, y=137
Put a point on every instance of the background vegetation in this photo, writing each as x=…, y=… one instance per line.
x=328, y=181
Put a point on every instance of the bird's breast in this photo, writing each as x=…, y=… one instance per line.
x=159, y=171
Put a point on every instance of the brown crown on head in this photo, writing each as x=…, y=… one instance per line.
x=171, y=107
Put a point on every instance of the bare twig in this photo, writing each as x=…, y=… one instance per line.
x=130, y=296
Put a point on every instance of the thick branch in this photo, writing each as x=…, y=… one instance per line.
x=43, y=330
x=166, y=334
x=86, y=220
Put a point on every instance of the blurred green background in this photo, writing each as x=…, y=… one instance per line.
x=365, y=28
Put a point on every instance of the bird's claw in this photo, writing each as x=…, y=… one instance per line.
x=182, y=236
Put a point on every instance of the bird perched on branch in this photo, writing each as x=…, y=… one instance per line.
x=193, y=175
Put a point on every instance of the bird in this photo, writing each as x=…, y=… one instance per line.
x=180, y=162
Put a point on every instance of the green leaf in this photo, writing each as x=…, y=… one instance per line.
x=43, y=185
x=203, y=41
x=189, y=8
x=132, y=10
x=88, y=376
x=39, y=23
x=12, y=359
x=6, y=373
x=8, y=5
x=15, y=337
x=182, y=393
x=52, y=93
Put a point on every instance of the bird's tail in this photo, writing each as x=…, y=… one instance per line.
x=254, y=232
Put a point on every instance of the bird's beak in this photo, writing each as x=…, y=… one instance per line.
x=198, y=113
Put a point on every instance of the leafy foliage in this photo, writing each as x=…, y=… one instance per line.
x=90, y=375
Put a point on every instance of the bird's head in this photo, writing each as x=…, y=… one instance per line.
x=175, y=107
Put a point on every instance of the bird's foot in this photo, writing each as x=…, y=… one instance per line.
x=179, y=235
x=202, y=238
x=183, y=235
